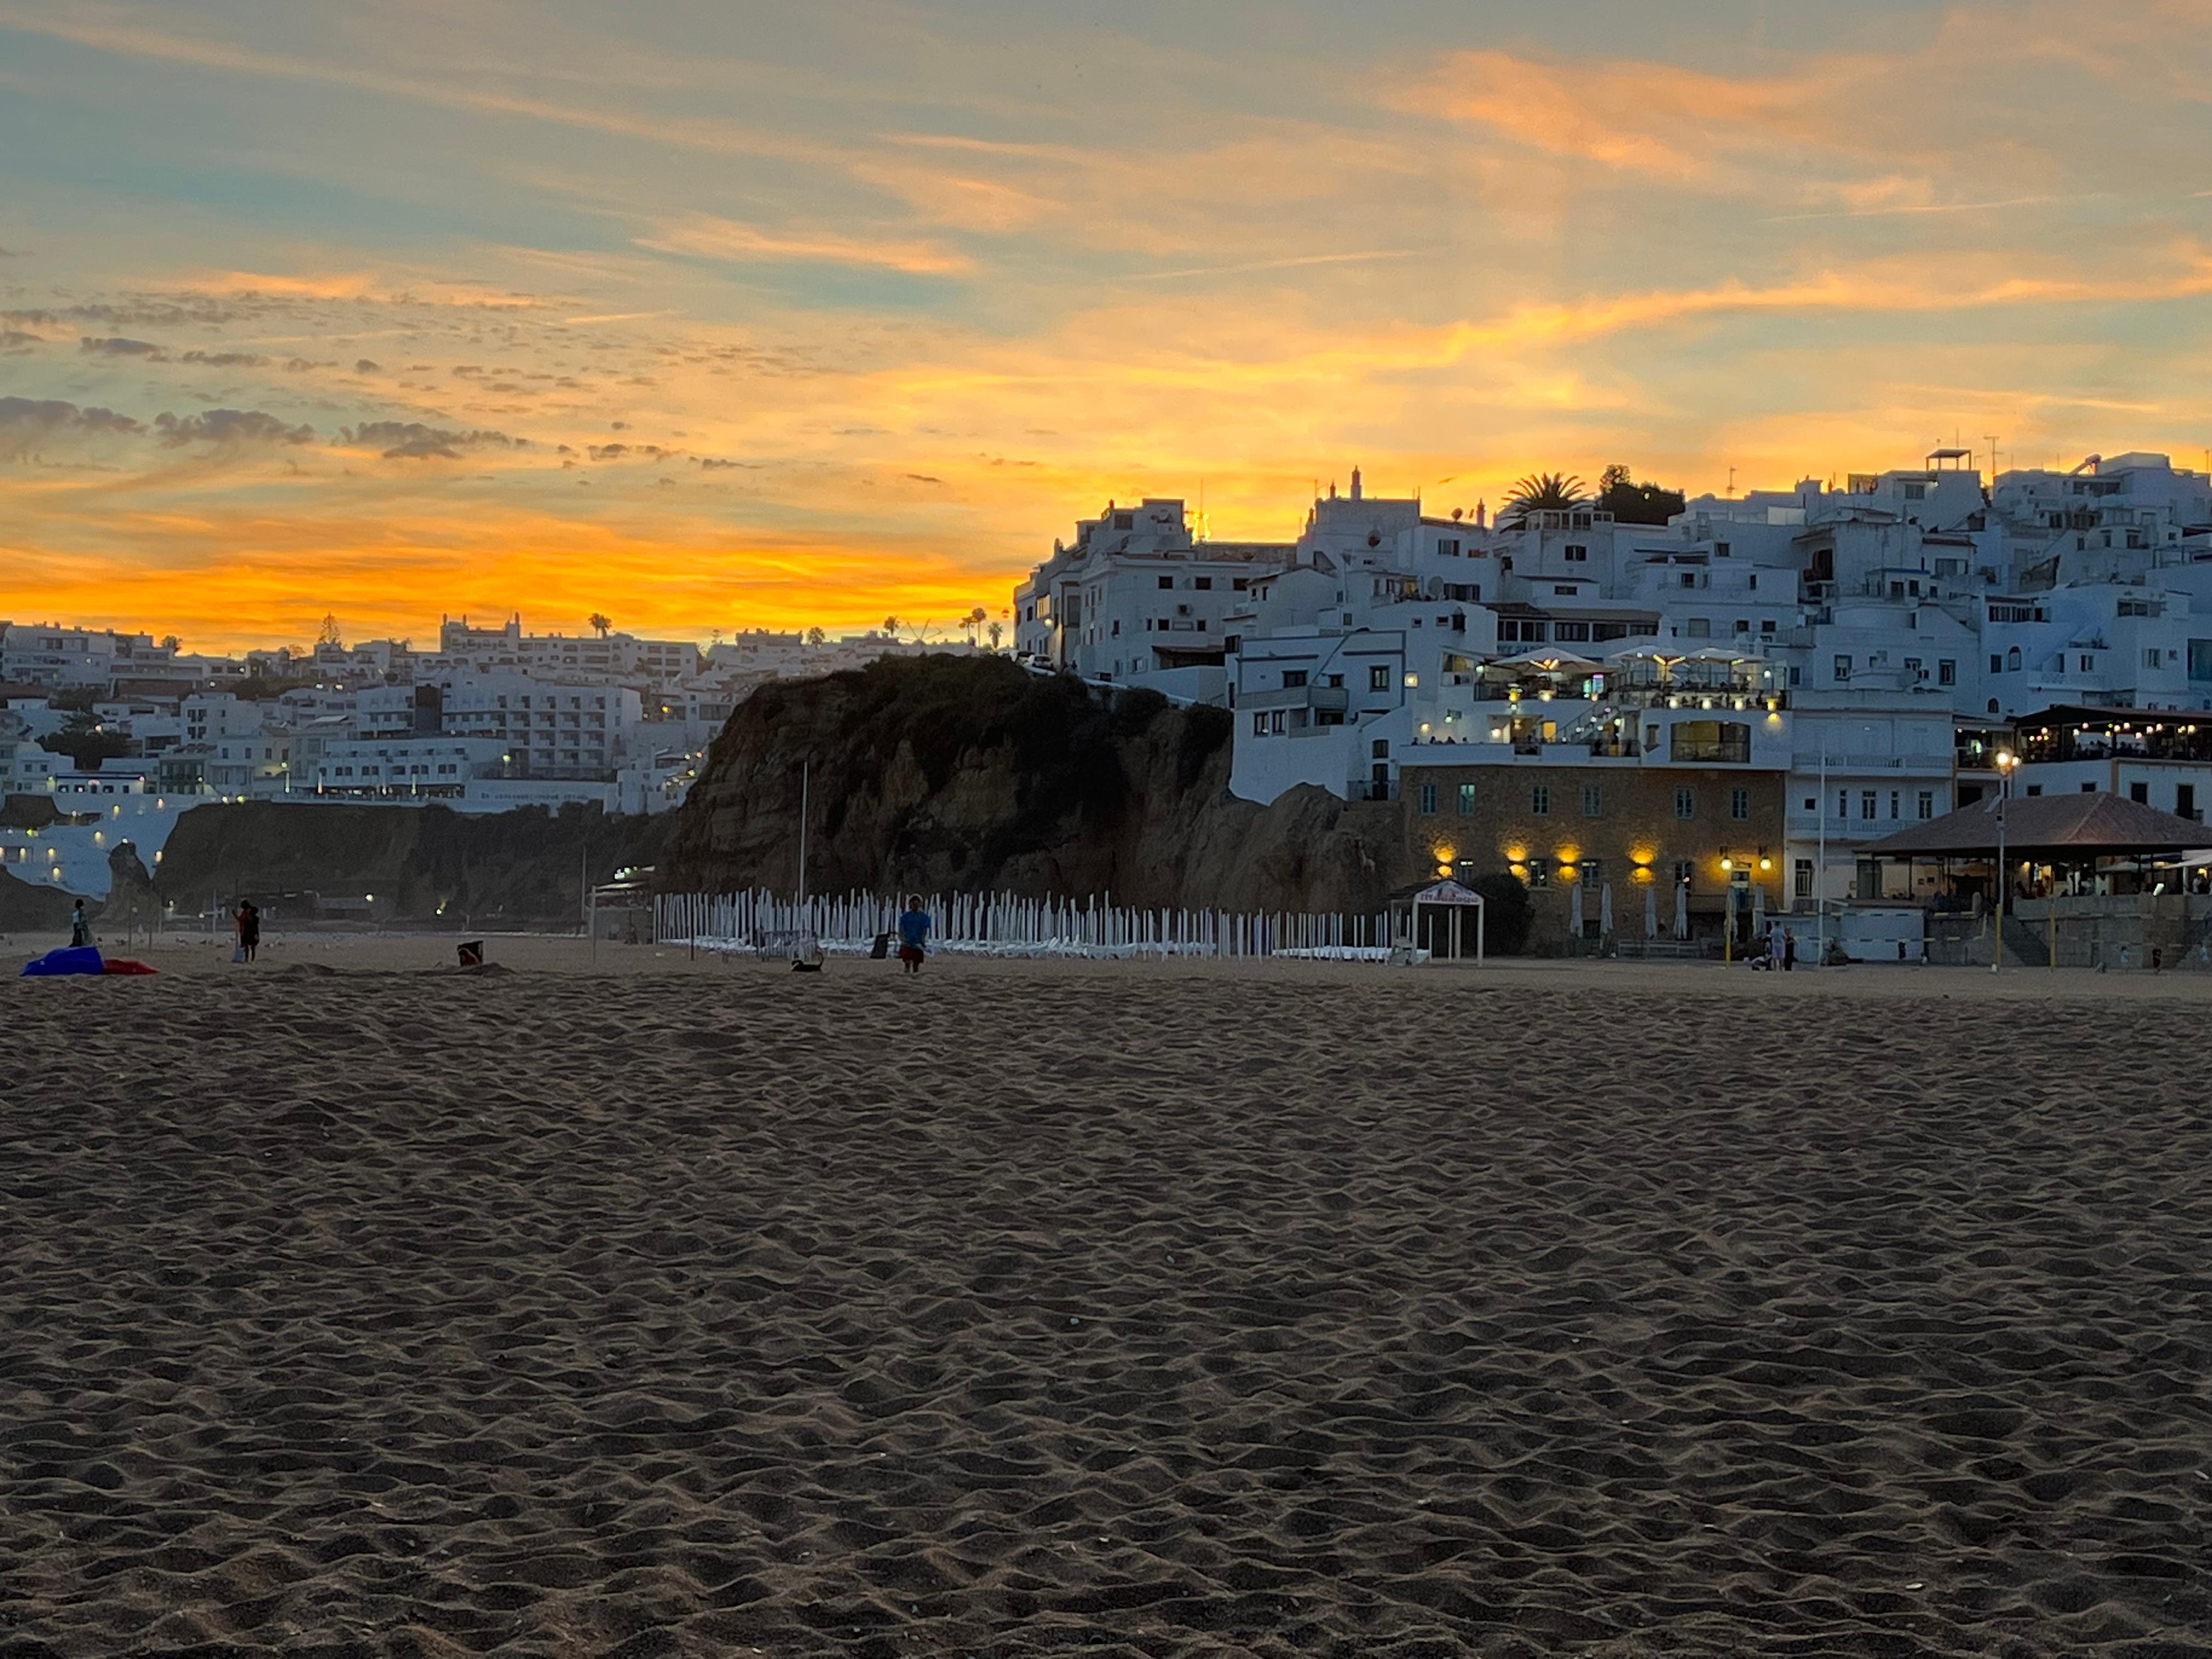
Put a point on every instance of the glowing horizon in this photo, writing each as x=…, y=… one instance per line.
x=706, y=322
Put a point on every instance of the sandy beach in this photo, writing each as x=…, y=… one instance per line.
x=655, y=1306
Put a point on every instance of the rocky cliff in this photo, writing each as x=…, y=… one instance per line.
x=950, y=774
x=517, y=867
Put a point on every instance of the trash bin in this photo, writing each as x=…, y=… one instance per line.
x=472, y=954
x=881, y=949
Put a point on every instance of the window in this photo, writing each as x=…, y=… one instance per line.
x=1466, y=800
x=1996, y=663
x=1740, y=804
x=2185, y=800
x=1766, y=626
x=1842, y=667
x=1239, y=584
x=1293, y=679
x=1742, y=625
x=2088, y=788
x=1167, y=584
x=1946, y=671
x=2088, y=664
x=1577, y=554
x=1275, y=722
x=1684, y=870
x=1539, y=800
x=1429, y=801
x=1927, y=803
x=1540, y=872
x=1802, y=878
x=1260, y=724
x=1689, y=578
x=1562, y=590
x=1448, y=546
x=1593, y=800
x=2139, y=792
x=1203, y=584
x=1334, y=682
x=1720, y=550
x=1378, y=678
x=1698, y=628
x=2012, y=660
x=1591, y=871
x=1686, y=802
x=1893, y=813
x=1379, y=749
x=1866, y=805
x=2150, y=657
x=1912, y=667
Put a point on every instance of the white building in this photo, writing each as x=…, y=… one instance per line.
x=1138, y=601
x=546, y=729
x=430, y=766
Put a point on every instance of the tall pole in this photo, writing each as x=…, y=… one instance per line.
x=805, y=768
x=2004, y=794
x=1820, y=873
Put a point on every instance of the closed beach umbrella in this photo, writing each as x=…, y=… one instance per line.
x=1759, y=910
x=1575, y=910
x=1651, y=910
x=1605, y=910
x=1681, y=909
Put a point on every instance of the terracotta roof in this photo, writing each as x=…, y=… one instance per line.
x=2082, y=824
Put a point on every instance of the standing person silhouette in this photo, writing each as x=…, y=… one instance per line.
x=79, y=927
x=914, y=933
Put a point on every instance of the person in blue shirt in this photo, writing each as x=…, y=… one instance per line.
x=914, y=930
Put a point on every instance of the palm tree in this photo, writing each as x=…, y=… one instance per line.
x=815, y=637
x=892, y=626
x=997, y=630
x=1541, y=492
x=602, y=624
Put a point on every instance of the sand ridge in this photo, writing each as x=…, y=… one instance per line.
x=1152, y=1312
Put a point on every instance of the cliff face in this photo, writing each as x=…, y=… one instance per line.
x=521, y=866
x=947, y=774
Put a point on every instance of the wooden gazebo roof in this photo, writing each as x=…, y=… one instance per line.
x=2076, y=826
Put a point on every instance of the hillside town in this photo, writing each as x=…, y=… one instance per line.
x=1727, y=700
x=135, y=731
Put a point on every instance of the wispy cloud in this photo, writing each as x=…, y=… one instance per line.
x=1293, y=263
x=709, y=237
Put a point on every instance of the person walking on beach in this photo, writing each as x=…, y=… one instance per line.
x=914, y=930
x=1788, y=951
x=80, y=928
x=249, y=929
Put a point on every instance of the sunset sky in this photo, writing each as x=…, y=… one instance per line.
x=729, y=315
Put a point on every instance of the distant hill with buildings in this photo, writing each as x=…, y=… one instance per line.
x=952, y=774
x=373, y=863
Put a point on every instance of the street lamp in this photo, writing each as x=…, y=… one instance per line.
x=2006, y=760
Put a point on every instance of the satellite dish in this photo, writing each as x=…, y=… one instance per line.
x=1457, y=513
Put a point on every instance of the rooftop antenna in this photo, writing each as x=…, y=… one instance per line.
x=1731, y=484
x=1992, y=437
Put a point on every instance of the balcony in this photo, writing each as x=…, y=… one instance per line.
x=1725, y=752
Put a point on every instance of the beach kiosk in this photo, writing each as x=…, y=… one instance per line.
x=1449, y=927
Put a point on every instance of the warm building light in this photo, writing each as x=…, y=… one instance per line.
x=1766, y=864
x=1728, y=864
